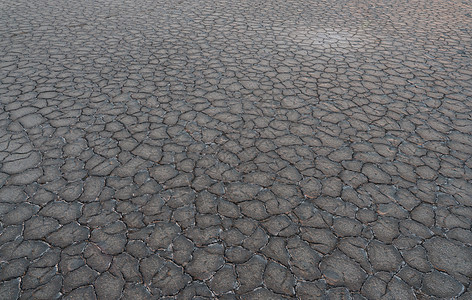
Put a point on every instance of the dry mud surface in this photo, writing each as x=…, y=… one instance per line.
x=235, y=149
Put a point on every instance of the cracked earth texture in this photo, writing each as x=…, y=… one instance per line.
x=235, y=149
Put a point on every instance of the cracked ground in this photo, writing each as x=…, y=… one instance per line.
x=204, y=149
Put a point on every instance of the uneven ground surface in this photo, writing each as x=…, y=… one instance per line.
x=235, y=149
